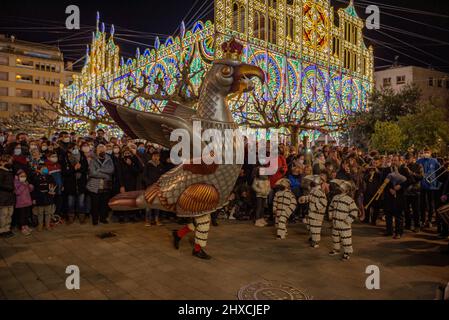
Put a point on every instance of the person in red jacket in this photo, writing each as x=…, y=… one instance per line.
x=282, y=169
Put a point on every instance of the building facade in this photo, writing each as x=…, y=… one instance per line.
x=434, y=85
x=307, y=57
x=29, y=72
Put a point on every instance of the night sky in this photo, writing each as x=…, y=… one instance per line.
x=139, y=21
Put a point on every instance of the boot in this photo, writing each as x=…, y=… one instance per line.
x=40, y=227
x=176, y=239
x=201, y=254
x=71, y=219
x=82, y=218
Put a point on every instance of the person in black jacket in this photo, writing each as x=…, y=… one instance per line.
x=128, y=174
x=152, y=172
x=43, y=197
x=74, y=171
x=394, y=204
x=414, y=173
x=7, y=199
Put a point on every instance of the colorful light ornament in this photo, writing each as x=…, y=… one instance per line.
x=311, y=67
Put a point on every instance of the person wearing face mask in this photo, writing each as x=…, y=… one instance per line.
x=24, y=201
x=86, y=150
x=100, y=138
x=116, y=159
x=35, y=159
x=20, y=161
x=43, y=198
x=7, y=199
x=44, y=147
x=22, y=139
x=99, y=184
x=55, y=170
x=74, y=175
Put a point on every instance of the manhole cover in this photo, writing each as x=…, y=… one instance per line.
x=271, y=290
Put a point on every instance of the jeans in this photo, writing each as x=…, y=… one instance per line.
x=151, y=214
x=260, y=207
x=5, y=218
x=77, y=204
x=398, y=223
x=428, y=201
x=412, y=210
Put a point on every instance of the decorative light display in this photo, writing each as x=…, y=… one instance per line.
x=307, y=58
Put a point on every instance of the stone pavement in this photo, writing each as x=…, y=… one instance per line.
x=140, y=263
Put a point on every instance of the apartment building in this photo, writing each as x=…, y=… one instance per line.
x=29, y=72
x=434, y=84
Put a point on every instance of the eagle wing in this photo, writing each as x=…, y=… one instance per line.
x=153, y=127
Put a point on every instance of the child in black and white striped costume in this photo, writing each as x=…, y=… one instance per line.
x=284, y=205
x=317, y=209
x=343, y=212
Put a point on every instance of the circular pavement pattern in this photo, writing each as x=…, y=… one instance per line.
x=271, y=290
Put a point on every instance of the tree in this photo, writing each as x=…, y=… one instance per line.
x=387, y=137
x=92, y=115
x=298, y=119
x=384, y=106
x=184, y=92
x=427, y=128
x=38, y=121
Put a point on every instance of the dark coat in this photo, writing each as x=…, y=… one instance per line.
x=75, y=180
x=40, y=194
x=128, y=174
x=7, y=197
x=152, y=173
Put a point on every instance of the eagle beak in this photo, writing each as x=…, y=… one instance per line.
x=242, y=77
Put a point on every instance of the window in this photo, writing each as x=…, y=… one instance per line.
x=24, y=63
x=387, y=82
x=400, y=80
x=272, y=31
x=259, y=25
x=440, y=83
x=24, y=108
x=431, y=82
x=23, y=93
x=290, y=30
x=334, y=46
x=3, y=106
x=24, y=78
x=3, y=92
x=3, y=76
x=4, y=60
x=239, y=18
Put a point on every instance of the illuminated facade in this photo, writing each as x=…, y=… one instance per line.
x=307, y=57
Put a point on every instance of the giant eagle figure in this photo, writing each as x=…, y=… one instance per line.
x=190, y=190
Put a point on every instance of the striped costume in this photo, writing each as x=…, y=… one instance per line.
x=343, y=212
x=200, y=226
x=317, y=210
x=284, y=205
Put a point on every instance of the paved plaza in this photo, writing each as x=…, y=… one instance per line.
x=140, y=263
